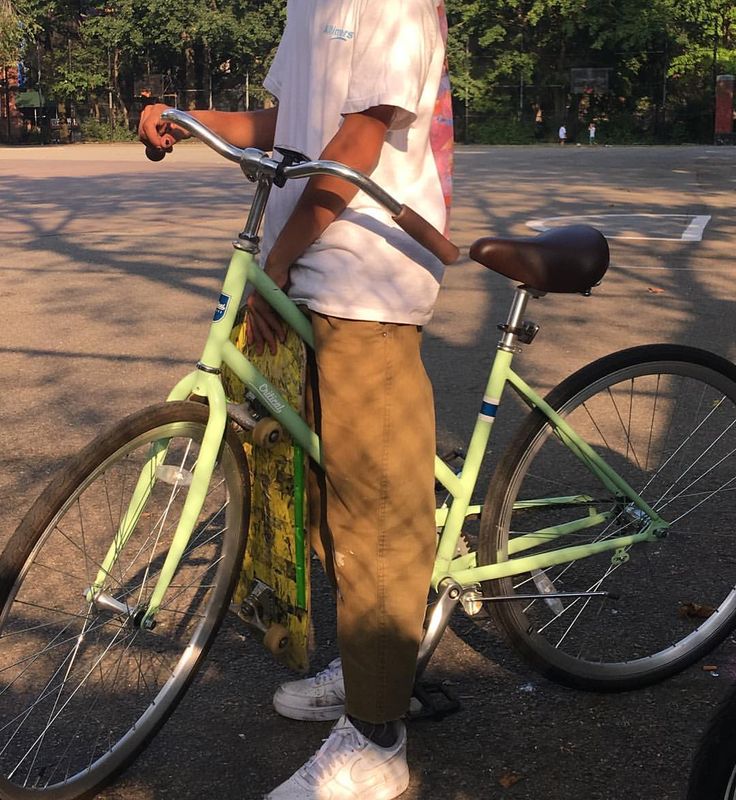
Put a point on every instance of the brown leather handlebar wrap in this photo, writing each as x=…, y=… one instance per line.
x=427, y=235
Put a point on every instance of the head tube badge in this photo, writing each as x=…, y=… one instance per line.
x=222, y=305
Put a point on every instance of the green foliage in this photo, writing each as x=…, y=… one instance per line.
x=93, y=130
x=10, y=33
x=508, y=58
x=495, y=130
x=513, y=57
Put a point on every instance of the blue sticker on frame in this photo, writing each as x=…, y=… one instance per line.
x=221, y=307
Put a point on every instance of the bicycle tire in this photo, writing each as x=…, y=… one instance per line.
x=713, y=771
x=84, y=689
x=645, y=410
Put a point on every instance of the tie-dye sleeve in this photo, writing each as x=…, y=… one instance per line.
x=442, y=131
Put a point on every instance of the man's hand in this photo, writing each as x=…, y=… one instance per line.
x=265, y=326
x=156, y=133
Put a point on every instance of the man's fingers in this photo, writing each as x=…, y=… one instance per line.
x=156, y=133
x=148, y=128
x=260, y=332
x=265, y=327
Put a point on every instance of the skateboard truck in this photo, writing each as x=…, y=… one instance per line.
x=250, y=415
x=257, y=610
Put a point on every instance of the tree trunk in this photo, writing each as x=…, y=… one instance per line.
x=119, y=101
x=190, y=76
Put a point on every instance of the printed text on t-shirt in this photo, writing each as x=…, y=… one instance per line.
x=338, y=33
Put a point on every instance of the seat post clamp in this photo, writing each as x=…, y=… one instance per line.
x=525, y=332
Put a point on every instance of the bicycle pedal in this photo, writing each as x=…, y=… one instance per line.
x=432, y=701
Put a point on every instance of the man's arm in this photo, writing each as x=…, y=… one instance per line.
x=241, y=128
x=357, y=144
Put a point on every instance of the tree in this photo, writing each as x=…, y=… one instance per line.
x=508, y=58
x=11, y=33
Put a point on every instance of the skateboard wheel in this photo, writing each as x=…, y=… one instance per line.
x=276, y=639
x=267, y=433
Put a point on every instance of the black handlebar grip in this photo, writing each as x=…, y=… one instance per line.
x=154, y=154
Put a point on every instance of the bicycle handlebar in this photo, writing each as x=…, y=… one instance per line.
x=255, y=164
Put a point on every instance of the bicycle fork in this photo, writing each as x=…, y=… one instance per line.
x=196, y=485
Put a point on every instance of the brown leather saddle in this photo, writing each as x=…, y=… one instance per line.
x=570, y=259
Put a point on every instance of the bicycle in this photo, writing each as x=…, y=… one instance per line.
x=116, y=581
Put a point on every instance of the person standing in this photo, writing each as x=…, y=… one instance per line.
x=357, y=82
x=591, y=133
x=562, y=134
x=538, y=123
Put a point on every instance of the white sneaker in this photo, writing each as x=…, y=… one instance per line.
x=349, y=766
x=312, y=699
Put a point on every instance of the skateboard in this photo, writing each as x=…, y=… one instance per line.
x=272, y=594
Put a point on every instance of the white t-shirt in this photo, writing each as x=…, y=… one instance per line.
x=344, y=56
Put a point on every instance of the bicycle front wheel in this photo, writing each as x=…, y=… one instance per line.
x=664, y=417
x=83, y=687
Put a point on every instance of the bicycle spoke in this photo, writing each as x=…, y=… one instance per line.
x=80, y=676
x=55, y=717
x=668, y=428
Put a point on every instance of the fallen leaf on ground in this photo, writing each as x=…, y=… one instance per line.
x=695, y=611
x=509, y=778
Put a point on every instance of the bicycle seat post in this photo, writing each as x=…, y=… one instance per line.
x=515, y=328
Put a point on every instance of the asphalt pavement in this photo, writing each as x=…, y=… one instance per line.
x=110, y=268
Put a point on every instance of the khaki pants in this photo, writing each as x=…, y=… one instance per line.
x=372, y=510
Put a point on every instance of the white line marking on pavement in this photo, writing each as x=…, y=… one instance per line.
x=694, y=231
x=672, y=227
x=671, y=269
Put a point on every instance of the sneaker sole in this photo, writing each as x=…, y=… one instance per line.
x=389, y=792
x=317, y=714
x=384, y=793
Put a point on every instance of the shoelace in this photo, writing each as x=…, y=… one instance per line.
x=329, y=673
x=342, y=742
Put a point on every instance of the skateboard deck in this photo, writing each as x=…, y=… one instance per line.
x=268, y=579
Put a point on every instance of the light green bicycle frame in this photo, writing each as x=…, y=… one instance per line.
x=463, y=569
x=205, y=382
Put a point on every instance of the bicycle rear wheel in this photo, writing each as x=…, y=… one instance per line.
x=82, y=687
x=664, y=417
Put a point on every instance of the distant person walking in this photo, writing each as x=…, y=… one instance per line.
x=539, y=124
x=562, y=133
x=591, y=133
